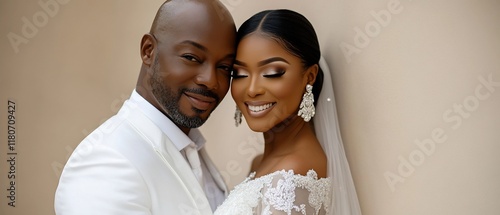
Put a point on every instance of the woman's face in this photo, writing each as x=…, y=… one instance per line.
x=268, y=82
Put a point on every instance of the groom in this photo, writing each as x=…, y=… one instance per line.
x=149, y=157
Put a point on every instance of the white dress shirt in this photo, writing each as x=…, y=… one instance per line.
x=214, y=194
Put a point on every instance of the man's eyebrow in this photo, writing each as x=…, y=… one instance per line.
x=263, y=62
x=195, y=44
x=230, y=56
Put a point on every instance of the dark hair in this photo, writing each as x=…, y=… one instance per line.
x=293, y=31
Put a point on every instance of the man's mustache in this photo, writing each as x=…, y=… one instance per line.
x=203, y=92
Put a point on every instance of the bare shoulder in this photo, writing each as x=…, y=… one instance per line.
x=303, y=161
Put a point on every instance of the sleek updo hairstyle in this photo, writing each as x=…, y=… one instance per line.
x=293, y=31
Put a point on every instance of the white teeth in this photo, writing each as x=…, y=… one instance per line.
x=259, y=108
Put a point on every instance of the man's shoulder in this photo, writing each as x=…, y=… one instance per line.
x=117, y=134
x=117, y=141
x=128, y=123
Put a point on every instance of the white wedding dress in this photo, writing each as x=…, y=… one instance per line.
x=281, y=192
x=284, y=192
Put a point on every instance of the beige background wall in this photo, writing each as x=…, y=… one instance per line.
x=418, y=92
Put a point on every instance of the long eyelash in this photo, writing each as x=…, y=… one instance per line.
x=236, y=76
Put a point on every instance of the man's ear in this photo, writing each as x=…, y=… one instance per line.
x=311, y=74
x=148, y=44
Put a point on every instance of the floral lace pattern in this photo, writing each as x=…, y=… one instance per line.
x=281, y=192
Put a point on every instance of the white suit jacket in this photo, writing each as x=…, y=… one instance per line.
x=129, y=166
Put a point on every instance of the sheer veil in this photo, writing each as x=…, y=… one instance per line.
x=345, y=200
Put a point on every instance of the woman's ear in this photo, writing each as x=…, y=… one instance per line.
x=311, y=74
x=148, y=44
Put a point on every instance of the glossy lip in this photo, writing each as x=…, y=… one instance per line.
x=200, y=102
x=259, y=113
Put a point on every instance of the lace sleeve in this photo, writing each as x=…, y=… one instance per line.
x=290, y=194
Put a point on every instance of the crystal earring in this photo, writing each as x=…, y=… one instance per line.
x=306, y=109
x=237, y=116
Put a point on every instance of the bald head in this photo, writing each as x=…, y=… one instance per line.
x=168, y=14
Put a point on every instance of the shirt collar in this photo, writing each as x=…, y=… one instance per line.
x=174, y=133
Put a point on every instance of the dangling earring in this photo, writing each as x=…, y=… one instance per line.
x=306, y=109
x=237, y=116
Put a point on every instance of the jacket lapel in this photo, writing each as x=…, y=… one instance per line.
x=169, y=154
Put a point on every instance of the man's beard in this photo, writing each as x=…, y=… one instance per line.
x=169, y=100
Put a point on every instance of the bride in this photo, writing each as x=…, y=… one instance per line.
x=277, y=80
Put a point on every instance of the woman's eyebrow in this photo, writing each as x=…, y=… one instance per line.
x=263, y=62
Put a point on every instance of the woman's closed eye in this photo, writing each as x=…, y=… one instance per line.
x=275, y=73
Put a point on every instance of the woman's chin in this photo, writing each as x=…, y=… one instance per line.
x=258, y=127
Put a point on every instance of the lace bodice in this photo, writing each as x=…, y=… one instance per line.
x=281, y=192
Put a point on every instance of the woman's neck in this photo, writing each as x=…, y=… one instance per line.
x=282, y=138
x=290, y=145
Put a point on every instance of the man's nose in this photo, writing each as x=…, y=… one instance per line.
x=208, y=78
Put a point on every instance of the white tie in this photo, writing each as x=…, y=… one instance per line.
x=194, y=160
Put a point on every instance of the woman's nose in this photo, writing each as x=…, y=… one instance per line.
x=255, y=88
